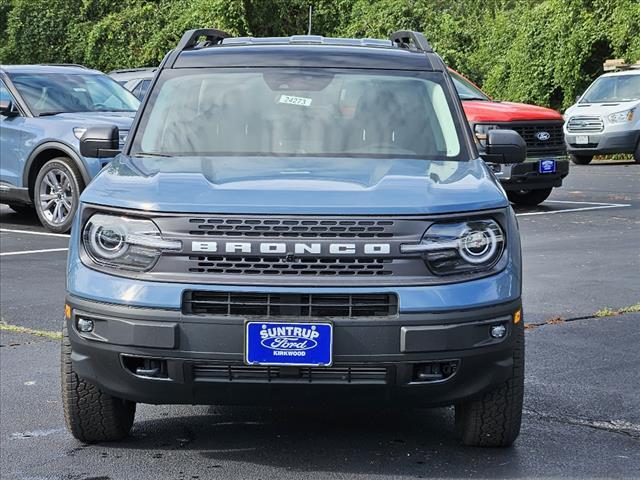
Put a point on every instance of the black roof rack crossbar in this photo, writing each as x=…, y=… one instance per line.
x=190, y=40
x=411, y=40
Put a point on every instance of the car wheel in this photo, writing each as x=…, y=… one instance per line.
x=636, y=155
x=581, y=159
x=56, y=194
x=24, y=210
x=493, y=419
x=90, y=414
x=529, y=197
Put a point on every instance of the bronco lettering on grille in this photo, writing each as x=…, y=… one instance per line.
x=297, y=248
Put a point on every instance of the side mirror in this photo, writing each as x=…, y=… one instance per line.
x=8, y=109
x=504, y=147
x=100, y=142
x=578, y=98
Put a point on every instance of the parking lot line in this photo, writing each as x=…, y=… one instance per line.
x=29, y=232
x=27, y=252
x=592, y=206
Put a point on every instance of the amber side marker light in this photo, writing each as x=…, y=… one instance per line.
x=67, y=311
x=517, y=316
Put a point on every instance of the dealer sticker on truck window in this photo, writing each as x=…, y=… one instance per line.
x=291, y=100
x=301, y=344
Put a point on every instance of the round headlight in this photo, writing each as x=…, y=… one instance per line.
x=123, y=242
x=478, y=246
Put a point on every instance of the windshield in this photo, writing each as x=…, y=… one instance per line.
x=466, y=90
x=299, y=112
x=51, y=93
x=618, y=88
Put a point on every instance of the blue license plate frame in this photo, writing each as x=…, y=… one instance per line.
x=301, y=344
x=547, y=165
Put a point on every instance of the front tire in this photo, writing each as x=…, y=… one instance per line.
x=636, y=154
x=90, y=414
x=494, y=419
x=581, y=159
x=56, y=194
x=529, y=197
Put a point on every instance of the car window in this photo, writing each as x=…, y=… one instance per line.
x=50, y=93
x=618, y=88
x=300, y=112
x=467, y=90
x=4, y=93
x=136, y=90
x=144, y=87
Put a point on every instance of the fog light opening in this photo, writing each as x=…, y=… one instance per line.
x=146, y=367
x=498, y=331
x=85, y=325
x=434, y=371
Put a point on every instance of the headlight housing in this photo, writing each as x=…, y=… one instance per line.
x=124, y=243
x=622, y=117
x=460, y=247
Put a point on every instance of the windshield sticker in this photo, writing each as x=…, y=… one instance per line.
x=291, y=100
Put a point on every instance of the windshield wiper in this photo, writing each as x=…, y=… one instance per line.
x=150, y=154
x=48, y=114
x=476, y=98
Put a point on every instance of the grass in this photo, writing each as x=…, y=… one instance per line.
x=30, y=331
x=608, y=312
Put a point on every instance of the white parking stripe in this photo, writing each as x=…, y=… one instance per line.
x=594, y=206
x=27, y=252
x=29, y=232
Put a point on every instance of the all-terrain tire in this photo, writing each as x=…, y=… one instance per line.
x=529, y=197
x=91, y=415
x=493, y=419
x=581, y=159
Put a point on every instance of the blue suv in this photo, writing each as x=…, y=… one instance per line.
x=44, y=111
x=296, y=221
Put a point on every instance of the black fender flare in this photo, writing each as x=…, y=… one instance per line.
x=52, y=145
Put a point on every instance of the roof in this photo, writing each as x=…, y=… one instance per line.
x=68, y=69
x=631, y=71
x=404, y=51
x=132, y=73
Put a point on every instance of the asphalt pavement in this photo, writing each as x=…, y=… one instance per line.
x=582, y=403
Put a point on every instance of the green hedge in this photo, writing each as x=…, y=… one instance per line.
x=539, y=51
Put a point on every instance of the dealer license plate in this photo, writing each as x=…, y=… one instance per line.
x=582, y=139
x=280, y=343
x=547, y=166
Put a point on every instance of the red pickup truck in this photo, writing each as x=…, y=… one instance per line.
x=531, y=182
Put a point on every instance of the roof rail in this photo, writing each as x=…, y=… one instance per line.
x=62, y=65
x=132, y=70
x=411, y=40
x=618, y=65
x=190, y=39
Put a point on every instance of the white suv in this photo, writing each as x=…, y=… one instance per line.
x=606, y=118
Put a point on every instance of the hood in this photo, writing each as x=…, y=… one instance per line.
x=600, y=109
x=295, y=186
x=122, y=120
x=487, y=112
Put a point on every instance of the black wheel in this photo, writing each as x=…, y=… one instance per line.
x=56, y=193
x=529, y=197
x=90, y=414
x=581, y=159
x=493, y=420
x=636, y=154
x=24, y=210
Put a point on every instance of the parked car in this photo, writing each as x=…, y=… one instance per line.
x=274, y=233
x=531, y=182
x=44, y=112
x=606, y=118
x=136, y=80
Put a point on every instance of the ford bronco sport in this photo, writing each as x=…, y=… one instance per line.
x=296, y=220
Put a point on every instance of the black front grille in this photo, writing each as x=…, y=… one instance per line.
x=242, y=373
x=290, y=228
x=529, y=131
x=281, y=305
x=282, y=266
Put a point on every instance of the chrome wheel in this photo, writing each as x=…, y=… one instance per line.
x=56, y=196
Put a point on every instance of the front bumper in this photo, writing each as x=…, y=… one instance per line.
x=526, y=175
x=603, y=143
x=375, y=360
